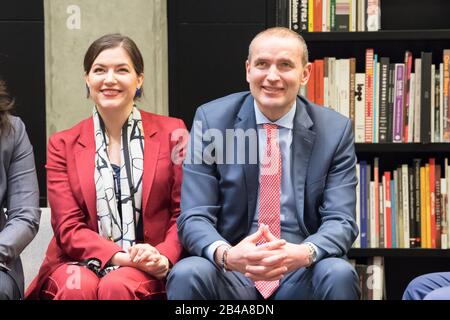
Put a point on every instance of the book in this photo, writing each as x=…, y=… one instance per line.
x=425, y=98
x=368, y=125
x=384, y=79
x=398, y=103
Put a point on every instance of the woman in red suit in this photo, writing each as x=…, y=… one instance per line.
x=114, y=189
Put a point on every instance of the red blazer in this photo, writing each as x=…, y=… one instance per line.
x=71, y=194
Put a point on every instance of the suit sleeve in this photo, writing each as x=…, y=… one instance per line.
x=199, y=194
x=70, y=227
x=22, y=197
x=171, y=246
x=337, y=211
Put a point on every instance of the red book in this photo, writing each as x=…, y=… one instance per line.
x=387, y=212
x=317, y=20
x=432, y=203
x=406, y=93
x=318, y=90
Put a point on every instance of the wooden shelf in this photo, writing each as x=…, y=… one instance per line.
x=385, y=35
x=416, y=252
x=402, y=147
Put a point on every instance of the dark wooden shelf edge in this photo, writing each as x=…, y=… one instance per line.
x=402, y=147
x=416, y=252
x=438, y=34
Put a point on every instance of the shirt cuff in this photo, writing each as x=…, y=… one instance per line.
x=211, y=249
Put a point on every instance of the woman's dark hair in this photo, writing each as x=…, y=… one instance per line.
x=111, y=41
x=6, y=104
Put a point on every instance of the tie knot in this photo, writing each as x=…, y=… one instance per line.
x=270, y=126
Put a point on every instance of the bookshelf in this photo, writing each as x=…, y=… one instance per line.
x=218, y=32
x=405, y=25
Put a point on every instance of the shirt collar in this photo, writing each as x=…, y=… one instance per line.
x=286, y=121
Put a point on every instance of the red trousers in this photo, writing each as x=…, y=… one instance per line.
x=71, y=282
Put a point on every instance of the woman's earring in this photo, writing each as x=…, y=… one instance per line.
x=138, y=93
x=88, y=91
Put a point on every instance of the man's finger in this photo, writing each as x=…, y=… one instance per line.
x=267, y=234
x=255, y=236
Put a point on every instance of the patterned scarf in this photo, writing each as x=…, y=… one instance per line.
x=111, y=226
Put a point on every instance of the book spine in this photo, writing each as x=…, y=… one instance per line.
x=417, y=201
x=398, y=104
x=446, y=95
x=412, y=225
x=425, y=95
x=407, y=77
x=384, y=77
x=369, y=97
x=295, y=23
x=304, y=15
x=362, y=185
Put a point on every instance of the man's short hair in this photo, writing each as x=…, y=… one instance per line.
x=282, y=32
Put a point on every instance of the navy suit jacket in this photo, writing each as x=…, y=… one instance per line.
x=218, y=201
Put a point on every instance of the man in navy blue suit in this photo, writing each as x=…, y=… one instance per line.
x=269, y=188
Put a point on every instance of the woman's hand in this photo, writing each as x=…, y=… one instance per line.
x=148, y=259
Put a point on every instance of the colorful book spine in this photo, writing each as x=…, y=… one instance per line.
x=369, y=97
x=397, y=133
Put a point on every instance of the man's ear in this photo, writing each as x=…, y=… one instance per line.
x=247, y=70
x=306, y=74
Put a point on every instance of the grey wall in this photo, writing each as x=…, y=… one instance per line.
x=72, y=25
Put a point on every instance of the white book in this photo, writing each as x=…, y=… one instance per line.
x=343, y=84
x=325, y=14
x=357, y=243
x=405, y=205
x=412, y=86
x=373, y=15
x=360, y=104
x=361, y=15
x=302, y=91
x=353, y=14
x=378, y=278
x=332, y=82
x=417, y=68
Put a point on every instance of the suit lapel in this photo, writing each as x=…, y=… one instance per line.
x=85, y=163
x=246, y=120
x=303, y=142
x=151, y=151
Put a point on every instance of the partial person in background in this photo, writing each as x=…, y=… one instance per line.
x=113, y=189
x=19, y=195
x=431, y=286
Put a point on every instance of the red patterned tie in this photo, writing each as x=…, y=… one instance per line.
x=269, y=196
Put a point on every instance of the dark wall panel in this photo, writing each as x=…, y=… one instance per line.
x=208, y=46
x=23, y=10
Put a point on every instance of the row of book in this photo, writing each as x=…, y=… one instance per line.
x=401, y=102
x=405, y=208
x=371, y=278
x=333, y=15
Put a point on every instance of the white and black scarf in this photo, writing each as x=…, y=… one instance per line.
x=110, y=225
